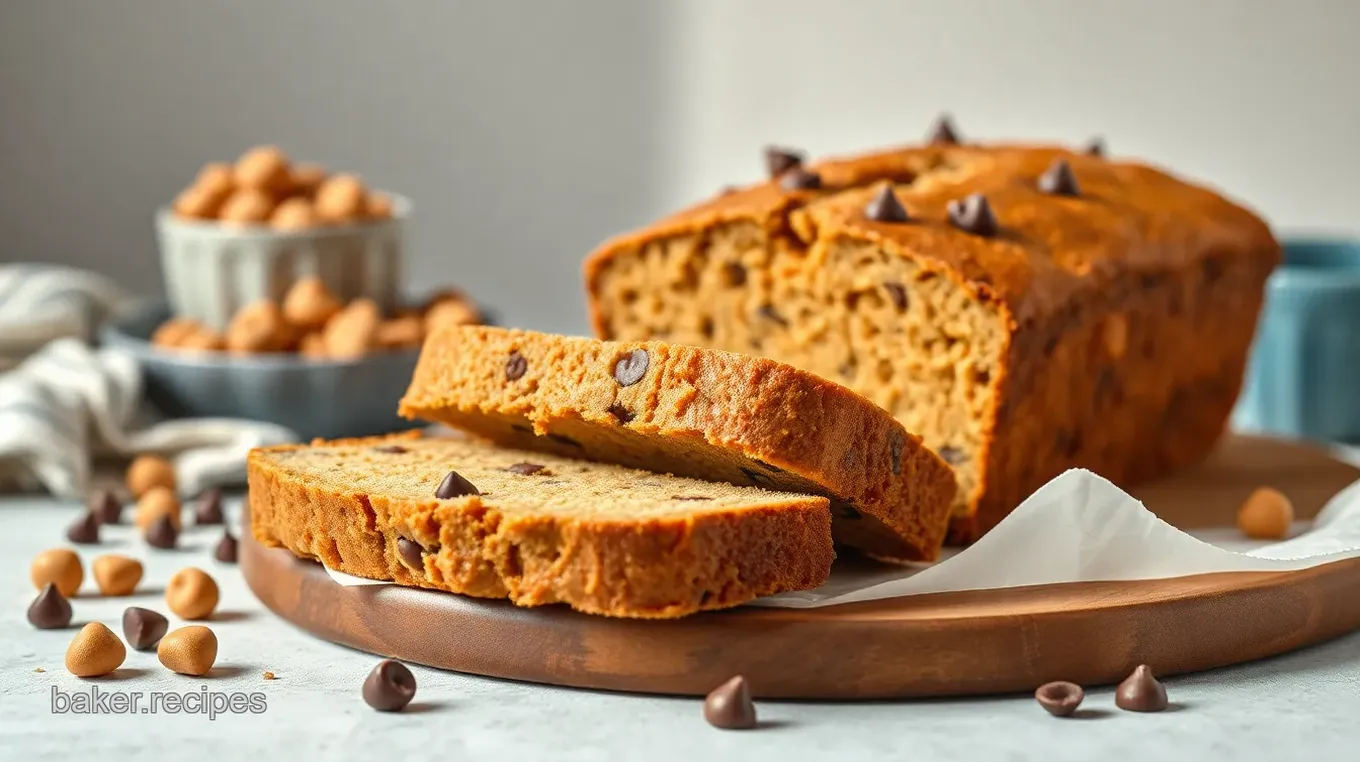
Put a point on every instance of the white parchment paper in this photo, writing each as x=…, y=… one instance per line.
x=1077, y=528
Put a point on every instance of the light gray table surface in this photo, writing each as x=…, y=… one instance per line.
x=1302, y=706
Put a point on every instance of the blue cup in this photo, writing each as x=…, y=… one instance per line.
x=1303, y=379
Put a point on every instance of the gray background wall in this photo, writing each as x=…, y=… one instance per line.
x=529, y=130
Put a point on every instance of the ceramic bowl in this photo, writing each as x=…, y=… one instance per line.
x=211, y=270
x=1304, y=372
x=314, y=398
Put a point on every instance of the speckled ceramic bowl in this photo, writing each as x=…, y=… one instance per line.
x=211, y=270
x=314, y=398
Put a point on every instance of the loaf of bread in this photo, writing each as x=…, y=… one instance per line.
x=695, y=412
x=1024, y=309
x=471, y=518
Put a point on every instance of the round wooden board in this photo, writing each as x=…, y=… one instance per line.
x=978, y=642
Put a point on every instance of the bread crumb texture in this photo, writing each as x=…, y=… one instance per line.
x=602, y=539
x=693, y=412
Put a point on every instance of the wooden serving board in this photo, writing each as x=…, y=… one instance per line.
x=978, y=642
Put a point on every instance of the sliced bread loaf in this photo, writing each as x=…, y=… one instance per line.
x=470, y=518
x=694, y=412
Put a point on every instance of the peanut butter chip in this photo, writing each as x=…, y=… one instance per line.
x=257, y=327
x=450, y=312
x=94, y=651
x=1266, y=515
x=246, y=207
x=59, y=566
x=353, y=330
x=263, y=168
x=310, y=303
x=196, y=204
x=174, y=331
x=306, y=178
x=293, y=214
x=191, y=594
x=147, y=471
x=189, y=650
x=116, y=575
x=156, y=503
x=341, y=198
x=215, y=179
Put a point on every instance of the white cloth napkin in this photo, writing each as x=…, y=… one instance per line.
x=66, y=404
x=40, y=303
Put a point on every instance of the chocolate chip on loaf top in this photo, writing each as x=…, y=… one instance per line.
x=694, y=412
x=1026, y=309
x=472, y=518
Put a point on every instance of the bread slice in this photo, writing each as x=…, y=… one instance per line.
x=602, y=539
x=694, y=412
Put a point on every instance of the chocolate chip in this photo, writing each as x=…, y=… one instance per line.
x=391, y=449
x=1058, y=180
x=780, y=160
x=730, y=707
x=411, y=554
x=389, y=687
x=885, y=206
x=756, y=477
x=770, y=313
x=563, y=439
x=621, y=413
x=736, y=274
x=209, y=509
x=690, y=497
x=227, y=548
x=895, y=445
x=1095, y=147
x=845, y=510
x=1141, y=692
x=143, y=628
x=105, y=507
x=944, y=132
x=515, y=366
x=50, y=610
x=527, y=469
x=973, y=215
x=898, y=294
x=631, y=367
x=1060, y=698
x=800, y=179
x=454, y=485
x=952, y=455
x=162, y=533
x=84, y=530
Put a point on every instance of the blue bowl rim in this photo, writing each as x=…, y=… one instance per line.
x=1343, y=277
